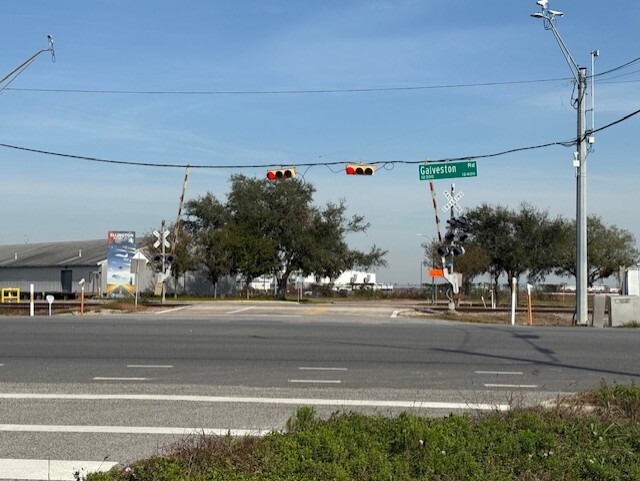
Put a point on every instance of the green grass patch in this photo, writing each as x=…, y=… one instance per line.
x=592, y=436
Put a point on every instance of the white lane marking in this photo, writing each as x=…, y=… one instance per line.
x=316, y=381
x=150, y=366
x=322, y=368
x=173, y=309
x=36, y=469
x=64, y=428
x=527, y=386
x=268, y=316
x=501, y=373
x=259, y=400
x=1, y=365
x=121, y=379
x=241, y=310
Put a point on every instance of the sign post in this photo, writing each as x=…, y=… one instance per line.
x=50, y=300
x=162, y=240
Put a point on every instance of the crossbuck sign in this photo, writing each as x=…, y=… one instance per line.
x=162, y=238
x=453, y=202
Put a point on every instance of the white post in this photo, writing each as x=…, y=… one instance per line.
x=32, y=310
x=513, y=301
x=50, y=300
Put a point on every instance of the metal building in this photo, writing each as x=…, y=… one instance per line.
x=54, y=267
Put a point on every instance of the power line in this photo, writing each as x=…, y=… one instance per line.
x=312, y=91
x=565, y=143
x=286, y=92
x=256, y=166
x=631, y=62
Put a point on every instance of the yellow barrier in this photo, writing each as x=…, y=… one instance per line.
x=10, y=294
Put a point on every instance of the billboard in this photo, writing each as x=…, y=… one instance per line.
x=121, y=247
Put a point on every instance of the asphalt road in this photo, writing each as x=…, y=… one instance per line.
x=86, y=388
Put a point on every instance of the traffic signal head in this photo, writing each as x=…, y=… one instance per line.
x=359, y=169
x=457, y=250
x=443, y=251
x=278, y=174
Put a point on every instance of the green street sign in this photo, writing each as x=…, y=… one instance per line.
x=448, y=170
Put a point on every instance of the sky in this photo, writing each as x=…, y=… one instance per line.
x=232, y=86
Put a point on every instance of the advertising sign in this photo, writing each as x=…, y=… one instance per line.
x=121, y=247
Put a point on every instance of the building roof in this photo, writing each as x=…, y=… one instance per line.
x=54, y=254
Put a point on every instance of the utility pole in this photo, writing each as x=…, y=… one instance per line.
x=580, y=76
x=582, y=308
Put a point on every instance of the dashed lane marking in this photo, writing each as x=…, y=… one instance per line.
x=315, y=381
x=501, y=373
x=150, y=366
x=322, y=369
x=121, y=379
x=513, y=386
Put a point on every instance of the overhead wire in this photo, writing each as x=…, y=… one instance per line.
x=315, y=164
x=287, y=92
x=385, y=164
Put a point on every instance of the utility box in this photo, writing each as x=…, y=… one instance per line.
x=623, y=310
x=599, y=308
x=630, y=281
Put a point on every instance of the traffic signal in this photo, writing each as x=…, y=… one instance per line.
x=278, y=174
x=360, y=169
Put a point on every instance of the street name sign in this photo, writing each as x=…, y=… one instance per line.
x=448, y=170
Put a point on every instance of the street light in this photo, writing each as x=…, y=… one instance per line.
x=580, y=77
x=10, y=77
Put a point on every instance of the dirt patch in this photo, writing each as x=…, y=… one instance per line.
x=501, y=317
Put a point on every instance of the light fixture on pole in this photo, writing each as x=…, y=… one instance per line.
x=580, y=161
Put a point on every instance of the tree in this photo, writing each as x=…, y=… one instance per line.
x=608, y=249
x=517, y=242
x=474, y=262
x=491, y=229
x=206, y=220
x=273, y=228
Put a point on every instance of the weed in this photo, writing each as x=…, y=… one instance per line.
x=563, y=443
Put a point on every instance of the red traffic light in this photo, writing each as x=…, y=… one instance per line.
x=278, y=174
x=360, y=169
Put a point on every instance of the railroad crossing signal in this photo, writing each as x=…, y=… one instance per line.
x=161, y=238
x=453, y=202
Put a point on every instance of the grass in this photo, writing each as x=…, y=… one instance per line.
x=592, y=436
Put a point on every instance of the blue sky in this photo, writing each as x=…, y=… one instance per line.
x=277, y=46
